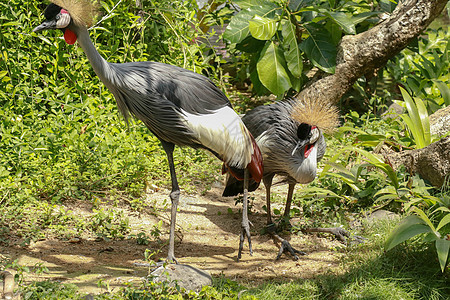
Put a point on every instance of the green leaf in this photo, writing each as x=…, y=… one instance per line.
x=356, y=19
x=377, y=162
x=262, y=28
x=406, y=229
x=445, y=91
x=335, y=32
x=296, y=5
x=319, y=48
x=442, y=248
x=418, y=121
x=340, y=18
x=271, y=70
x=3, y=74
x=238, y=29
x=292, y=51
x=444, y=221
x=250, y=45
x=244, y=4
x=425, y=218
x=15, y=23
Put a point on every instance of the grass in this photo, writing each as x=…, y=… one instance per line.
x=409, y=271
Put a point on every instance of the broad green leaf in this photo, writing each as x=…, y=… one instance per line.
x=321, y=192
x=442, y=248
x=353, y=129
x=424, y=120
x=319, y=48
x=418, y=136
x=335, y=31
x=445, y=220
x=406, y=229
x=262, y=28
x=387, y=190
x=415, y=122
x=445, y=91
x=271, y=69
x=244, y=4
x=296, y=5
x=3, y=74
x=356, y=19
x=15, y=23
x=345, y=178
x=292, y=51
x=340, y=18
x=238, y=29
x=425, y=218
x=250, y=45
x=377, y=162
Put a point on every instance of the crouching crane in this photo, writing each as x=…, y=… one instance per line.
x=289, y=134
x=180, y=107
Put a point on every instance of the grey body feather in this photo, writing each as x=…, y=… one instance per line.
x=276, y=134
x=157, y=94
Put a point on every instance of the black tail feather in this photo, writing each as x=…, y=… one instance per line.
x=234, y=187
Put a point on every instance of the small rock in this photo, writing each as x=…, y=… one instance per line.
x=185, y=276
x=217, y=184
x=74, y=240
x=381, y=214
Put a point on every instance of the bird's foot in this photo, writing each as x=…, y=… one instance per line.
x=171, y=259
x=341, y=234
x=284, y=224
x=245, y=231
x=286, y=247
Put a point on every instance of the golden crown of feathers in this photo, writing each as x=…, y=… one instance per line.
x=314, y=111
x=83, y=12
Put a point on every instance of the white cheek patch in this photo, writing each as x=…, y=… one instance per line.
x=64, y=20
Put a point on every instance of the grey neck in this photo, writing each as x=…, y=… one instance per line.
x=98, y=63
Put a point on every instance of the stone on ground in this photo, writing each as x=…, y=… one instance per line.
x=185, y=276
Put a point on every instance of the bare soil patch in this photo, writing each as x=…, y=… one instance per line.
x=207, y=238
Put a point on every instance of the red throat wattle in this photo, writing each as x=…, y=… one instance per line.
x=69, y=36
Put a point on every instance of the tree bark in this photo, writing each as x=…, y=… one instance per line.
x=363, y=53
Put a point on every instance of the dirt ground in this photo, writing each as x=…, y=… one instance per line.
x=207, y=238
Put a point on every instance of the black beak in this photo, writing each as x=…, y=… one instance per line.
x=50, y=24
x=300, y=144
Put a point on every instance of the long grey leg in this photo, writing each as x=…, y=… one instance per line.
x=285, y=245
x=245, y=222
x=287, y=208
x=267, y=180
x=174, y=197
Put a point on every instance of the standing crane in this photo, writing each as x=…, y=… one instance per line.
x=289, y=134
x=178, y=106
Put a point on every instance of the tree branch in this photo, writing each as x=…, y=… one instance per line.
x=367, y=51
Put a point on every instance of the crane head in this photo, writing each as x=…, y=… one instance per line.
x=57, y=18
x=307, y=137
x=64, y=14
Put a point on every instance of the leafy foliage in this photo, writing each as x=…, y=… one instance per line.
x=286, y=39
x=61, y=137
x=423, y=68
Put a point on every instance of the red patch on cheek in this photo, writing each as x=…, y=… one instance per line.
x=70, y=37
x=308, y=150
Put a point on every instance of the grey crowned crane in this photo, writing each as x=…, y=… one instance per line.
x=178, y=106
x=289, y=134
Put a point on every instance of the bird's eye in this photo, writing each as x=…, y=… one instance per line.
x=303, y=131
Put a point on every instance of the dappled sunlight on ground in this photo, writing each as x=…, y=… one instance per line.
x=208, y=228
